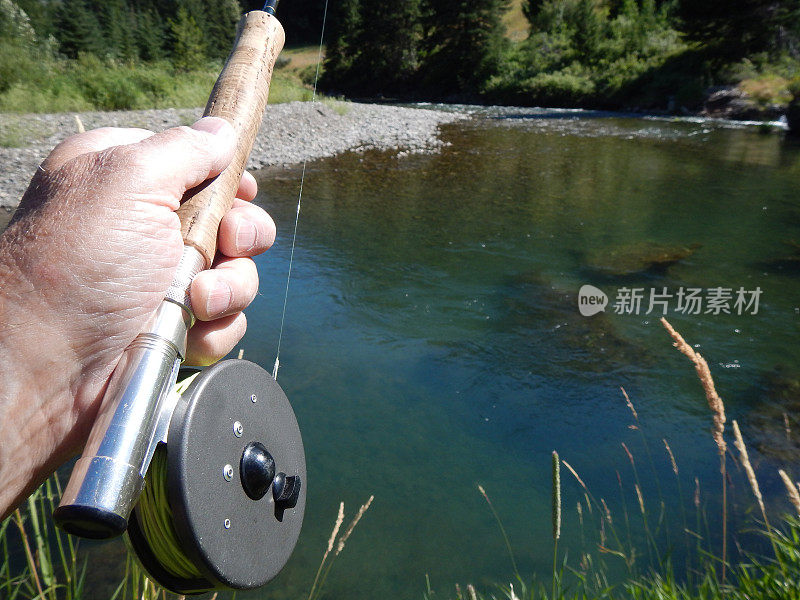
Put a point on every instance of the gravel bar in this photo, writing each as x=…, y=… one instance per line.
x=290, y=134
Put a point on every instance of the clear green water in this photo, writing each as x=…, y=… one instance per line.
x=433, y=340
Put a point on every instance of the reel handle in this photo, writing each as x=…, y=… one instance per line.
x=239, y=96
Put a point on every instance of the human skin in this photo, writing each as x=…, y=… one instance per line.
x=86, y=261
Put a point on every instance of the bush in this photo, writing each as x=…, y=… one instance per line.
x=568, y=87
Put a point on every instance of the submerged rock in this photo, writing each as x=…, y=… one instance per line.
x=788, y=264
x=638, y=258
x=545, y=315
x=774, y=425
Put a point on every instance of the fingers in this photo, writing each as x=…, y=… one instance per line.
x=92, y=141
x=210, y=341
x=172, y=161
x=226, y=289
x=248, y=188
x=245, y=230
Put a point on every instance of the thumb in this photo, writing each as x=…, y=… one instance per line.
x=181, y=158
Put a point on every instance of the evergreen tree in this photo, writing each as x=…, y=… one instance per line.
x=373, y=47
x=463, y=44
x=341, y=47
x=78, y=29
x=531, y=9
x=41, y=15
x=150, y=35
x=301, y=19
x=731, y=29
x=118, y=26
x=219, y=26
x=387, y=45
x=588, y=25
x=188, y=50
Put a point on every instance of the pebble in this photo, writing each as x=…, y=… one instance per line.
x=290, y=133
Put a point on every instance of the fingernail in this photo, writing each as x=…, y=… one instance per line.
x=246, y=235
x=212, y=125
x=219, y=299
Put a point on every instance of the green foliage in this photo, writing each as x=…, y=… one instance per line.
x=435, y=47
x=188, y=50
x=78, y=29
x=463, y=44
x=342, y=49
x=219, y=21
x=755, y=578
x=90, y=83
x=374, y=49
x=642, y=54
x=589, y=53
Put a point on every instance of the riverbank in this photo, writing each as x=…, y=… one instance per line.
x=291, y=133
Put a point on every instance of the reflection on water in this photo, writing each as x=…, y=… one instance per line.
x=433, y=340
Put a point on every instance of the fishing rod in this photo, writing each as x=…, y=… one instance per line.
x=222, y=465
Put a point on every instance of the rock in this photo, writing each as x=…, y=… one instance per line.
x=731, y=102
x=544, y=314
x=639, y=258
x=793, y=117
x=773, y=424
x=787, y=264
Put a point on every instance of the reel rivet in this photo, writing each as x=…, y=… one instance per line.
x=227, y=472
x=227, y=523
x=253, y=398
x=238, y=429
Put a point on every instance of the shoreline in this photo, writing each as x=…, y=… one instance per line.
x=290, y=133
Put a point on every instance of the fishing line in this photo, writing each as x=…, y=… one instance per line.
x=299, y=200
x=155, y=513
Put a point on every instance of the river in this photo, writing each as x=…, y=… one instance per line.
x=433, y=339
x=434, y=342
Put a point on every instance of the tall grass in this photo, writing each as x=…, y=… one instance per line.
x=708, y=573
x=51, y=569
x=330, y=555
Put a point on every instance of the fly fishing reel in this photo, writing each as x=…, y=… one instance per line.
x=224, y=498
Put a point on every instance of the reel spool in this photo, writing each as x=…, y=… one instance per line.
x=224, y=499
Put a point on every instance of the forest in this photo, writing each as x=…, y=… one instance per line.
x=623, y=54
x=644, y=54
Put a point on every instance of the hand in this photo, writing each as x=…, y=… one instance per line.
x=86, y=261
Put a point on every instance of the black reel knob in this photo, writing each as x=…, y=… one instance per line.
x=258, y=470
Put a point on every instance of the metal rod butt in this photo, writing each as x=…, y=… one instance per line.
x=106, y=482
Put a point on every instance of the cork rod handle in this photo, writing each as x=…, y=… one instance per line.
x=239, y=96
